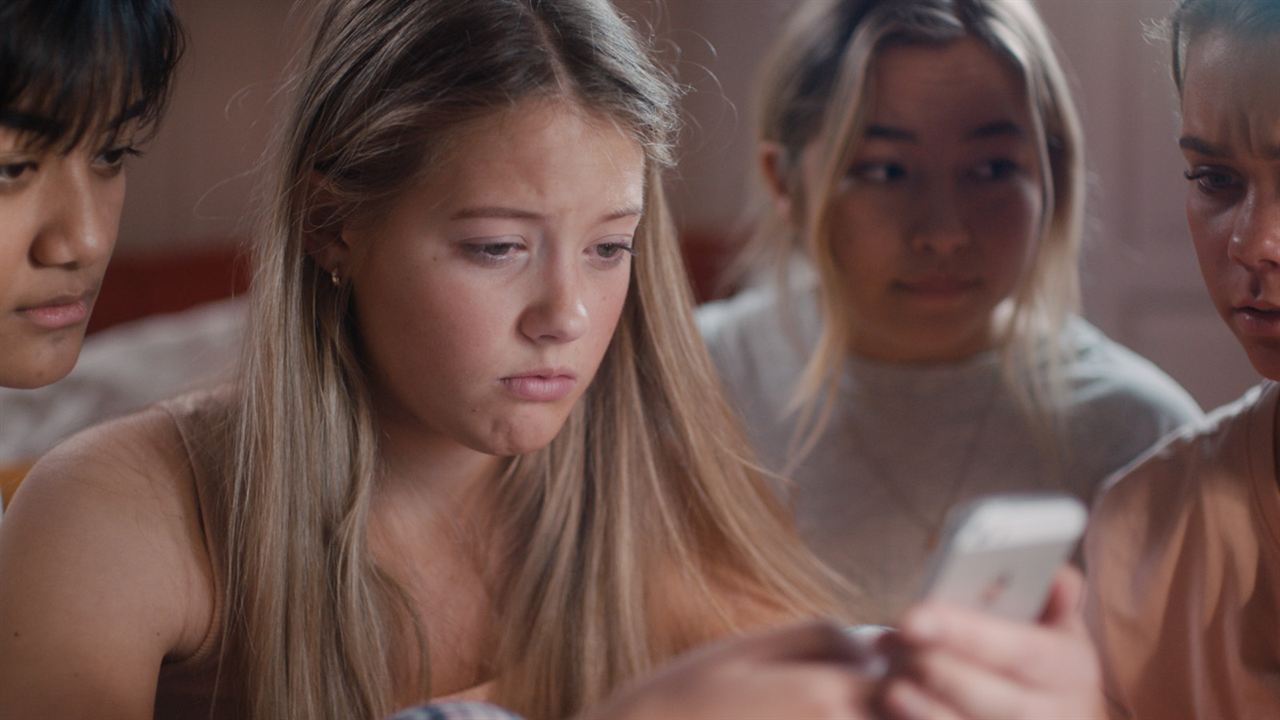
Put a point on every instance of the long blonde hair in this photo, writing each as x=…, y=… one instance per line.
x=648, y=484
x=814, y=90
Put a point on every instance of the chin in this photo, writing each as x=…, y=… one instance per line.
x=1266, y=360
x=31, y=373
x=519, y=435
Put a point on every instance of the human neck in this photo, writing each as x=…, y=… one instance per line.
x=418, y=462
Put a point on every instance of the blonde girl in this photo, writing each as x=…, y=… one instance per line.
x=475, y=446
x=920, y=344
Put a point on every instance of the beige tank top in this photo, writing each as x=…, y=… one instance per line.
x=188, y=687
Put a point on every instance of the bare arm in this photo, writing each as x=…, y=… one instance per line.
x=100, y=579
x=804, y=670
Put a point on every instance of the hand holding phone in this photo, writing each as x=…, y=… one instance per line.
x=1000, y=553
x=984, y=643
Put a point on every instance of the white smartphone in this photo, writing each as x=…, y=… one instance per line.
x=999, y=553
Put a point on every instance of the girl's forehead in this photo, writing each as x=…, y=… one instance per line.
x=1231, y=93
x=539, y=152
x=906, y=76
x=963, y=82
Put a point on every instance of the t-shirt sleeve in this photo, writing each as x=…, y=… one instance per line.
x=1123, y=407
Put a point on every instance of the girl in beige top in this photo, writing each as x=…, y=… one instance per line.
x=1184, y=551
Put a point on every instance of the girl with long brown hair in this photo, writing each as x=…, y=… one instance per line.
x=475, y=445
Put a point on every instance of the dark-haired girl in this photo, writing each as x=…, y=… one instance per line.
x=82, y=84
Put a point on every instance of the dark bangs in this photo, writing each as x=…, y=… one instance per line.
x=74, y=70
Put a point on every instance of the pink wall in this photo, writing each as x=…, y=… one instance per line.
x=197, y=183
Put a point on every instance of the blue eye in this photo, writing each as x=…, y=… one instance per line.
x=491, y=252
x=611, y=250
x=496, y=250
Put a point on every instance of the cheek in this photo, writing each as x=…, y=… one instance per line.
x=1007, y=225
x=113, y=206
x=866, y=236
x=14, y=246
x=1210, y=230
x=419, y=322
x=17, y=237
x=605, y=305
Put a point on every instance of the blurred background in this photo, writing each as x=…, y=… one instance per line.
x=192, y=196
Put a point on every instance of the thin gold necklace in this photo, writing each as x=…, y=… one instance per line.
x=930, y=523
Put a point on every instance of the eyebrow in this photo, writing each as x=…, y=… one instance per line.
x=1204, y=147
x=1208, y=149
x=998, y=128
x=506, y=213
x=885, y=132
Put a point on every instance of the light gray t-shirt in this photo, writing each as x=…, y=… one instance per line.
x=906, y=442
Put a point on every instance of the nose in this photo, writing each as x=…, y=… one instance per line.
x=939, y=228
x=558, y=313
x=1255, y=233
x=80, y=218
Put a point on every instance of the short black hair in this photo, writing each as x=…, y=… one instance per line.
x=71, y=70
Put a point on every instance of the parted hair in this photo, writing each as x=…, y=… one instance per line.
x=648, y=487
x=815, y=90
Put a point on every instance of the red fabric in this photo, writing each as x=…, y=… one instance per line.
x=142, y=285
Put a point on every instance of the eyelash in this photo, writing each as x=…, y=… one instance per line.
x=891, y=171
x=12, y=173
x=616, y=250
x=1001, y=169
x=884, y=173
x=483, y=252
x=496, y=254
x=1201, y=176
x=121, y=154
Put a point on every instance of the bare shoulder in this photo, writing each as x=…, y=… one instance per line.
x=105, y=574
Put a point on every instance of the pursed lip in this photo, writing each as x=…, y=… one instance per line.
x=59, y=311
x=541, y=385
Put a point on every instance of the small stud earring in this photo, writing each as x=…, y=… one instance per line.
x=335, y=279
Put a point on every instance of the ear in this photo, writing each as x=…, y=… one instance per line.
x=325, y=234
x=777, y=171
